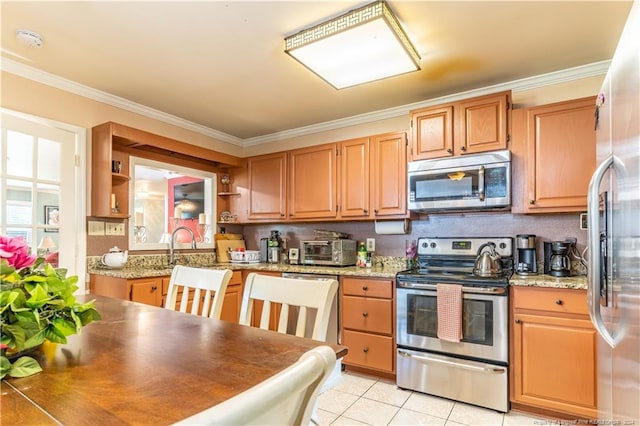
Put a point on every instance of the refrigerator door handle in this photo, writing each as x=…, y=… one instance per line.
x=593, y=272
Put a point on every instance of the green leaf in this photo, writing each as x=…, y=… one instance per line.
x=5, y=366
x=65, y=327
x=5, y=269
x=53, y=335
x=39, y=297
x=24, y=366
x=36, y=339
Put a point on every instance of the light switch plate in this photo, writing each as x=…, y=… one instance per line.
x=115, y=229
x=96, y=228
x=371, y=244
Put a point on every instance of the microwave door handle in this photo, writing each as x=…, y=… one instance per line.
x=481, y=183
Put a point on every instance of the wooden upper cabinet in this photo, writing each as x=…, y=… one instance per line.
x=483, y=124
x=432, y=133
x=354, y=178
x=557, y=150
x=389, y=174
x=467, y=127
x=313, y=182
x=267, y=181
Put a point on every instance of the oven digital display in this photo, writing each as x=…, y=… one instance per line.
x=461, y=245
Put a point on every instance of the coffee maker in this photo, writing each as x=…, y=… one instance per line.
x=526, y=263
x=559, y=262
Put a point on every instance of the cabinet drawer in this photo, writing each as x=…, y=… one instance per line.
x=368, y=350
x=564, y=301
x=367, y=287
x=366, y=314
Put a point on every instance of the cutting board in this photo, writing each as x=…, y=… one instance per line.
x=223, y=246
x=229, y=237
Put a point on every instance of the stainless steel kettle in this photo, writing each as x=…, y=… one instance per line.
x=487, y=261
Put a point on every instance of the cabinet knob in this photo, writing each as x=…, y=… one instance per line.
x=281, y=214
x=365, y=349
x=449, y=151
x=365, y=314
x=517, y=321
x=365, y=288
x=532, y=201
x=366, y=211
x=463, y=148
x=154, y=287
x=376, y=211
x=559, y=302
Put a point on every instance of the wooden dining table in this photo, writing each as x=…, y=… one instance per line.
x=146, y=365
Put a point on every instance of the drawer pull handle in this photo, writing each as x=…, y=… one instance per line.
x=559, y=302
x=365, y=288
x=365, y=349
x=365, y=314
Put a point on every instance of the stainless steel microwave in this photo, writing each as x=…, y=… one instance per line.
x=339, y=252
x=469, y=182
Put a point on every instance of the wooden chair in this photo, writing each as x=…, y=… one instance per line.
x=284, y=399
x=198, y=284
x=290, y=292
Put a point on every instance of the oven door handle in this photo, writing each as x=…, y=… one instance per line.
x=427, y=358
x=481, y=183
x=473, y=290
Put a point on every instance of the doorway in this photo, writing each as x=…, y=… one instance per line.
x=42, y=190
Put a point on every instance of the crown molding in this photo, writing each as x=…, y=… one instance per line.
x=529, y=83
x=61, y=83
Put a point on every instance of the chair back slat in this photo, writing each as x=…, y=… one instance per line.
x=306, y=296
x=198, y=287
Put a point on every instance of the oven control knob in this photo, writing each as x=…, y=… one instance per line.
x=503, y=246
x=433, y=245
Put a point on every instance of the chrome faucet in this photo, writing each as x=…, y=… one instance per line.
x=172, y=259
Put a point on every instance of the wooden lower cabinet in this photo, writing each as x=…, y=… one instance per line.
x=553, y=358
x=233, y=298
x=368, y=324
x=153, y=291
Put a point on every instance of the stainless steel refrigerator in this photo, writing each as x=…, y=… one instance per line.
x=614, y=232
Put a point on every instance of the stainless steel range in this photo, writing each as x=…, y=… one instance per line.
x=475, y=369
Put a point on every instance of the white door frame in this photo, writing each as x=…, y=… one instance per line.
x=79, y=265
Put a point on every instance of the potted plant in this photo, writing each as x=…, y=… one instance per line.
x=37, y=305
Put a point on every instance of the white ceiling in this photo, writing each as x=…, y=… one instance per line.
x=221, y=65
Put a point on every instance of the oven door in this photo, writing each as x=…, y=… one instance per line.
x=484, y=322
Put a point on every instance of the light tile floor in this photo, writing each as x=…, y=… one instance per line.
x=364, y=400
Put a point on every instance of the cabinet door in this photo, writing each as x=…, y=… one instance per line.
x=483, y=124
x=554, y=363
x=232, y=298
x=389, y=162
x=560, y=155
x=146, y=290
x=267, y=177
x=432, y=133
x=313, y=182
x=354, y=178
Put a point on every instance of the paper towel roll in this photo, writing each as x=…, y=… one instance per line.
x=391, y=227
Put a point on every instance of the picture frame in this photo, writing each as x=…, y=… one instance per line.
x=51, y=217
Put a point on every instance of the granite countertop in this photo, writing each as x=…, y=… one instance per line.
x=131, y=272
x=379, y=270
x=576, y=283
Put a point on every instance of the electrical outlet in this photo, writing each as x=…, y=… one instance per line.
x=96, y=227
x=371, y=244
x=115, y=229
x=583, y=221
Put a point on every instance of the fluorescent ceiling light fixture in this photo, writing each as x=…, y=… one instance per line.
x=363, y=45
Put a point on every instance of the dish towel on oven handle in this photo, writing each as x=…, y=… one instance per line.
x=449, y=297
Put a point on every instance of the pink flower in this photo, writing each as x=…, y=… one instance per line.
x=16, y=251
